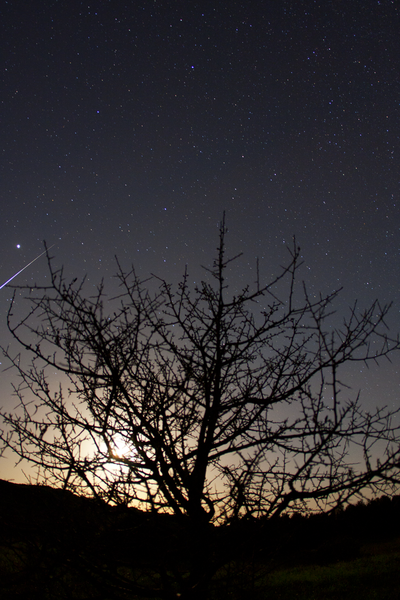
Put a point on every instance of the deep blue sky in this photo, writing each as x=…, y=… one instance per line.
x=128, y=127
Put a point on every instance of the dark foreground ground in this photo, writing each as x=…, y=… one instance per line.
x=54, y=545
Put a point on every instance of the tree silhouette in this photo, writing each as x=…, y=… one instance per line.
x=199, y=403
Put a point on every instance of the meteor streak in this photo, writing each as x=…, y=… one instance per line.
x=26, y=266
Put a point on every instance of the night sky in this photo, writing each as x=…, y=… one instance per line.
x=127, y=128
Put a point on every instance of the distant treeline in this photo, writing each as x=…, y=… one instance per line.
x=326, y=537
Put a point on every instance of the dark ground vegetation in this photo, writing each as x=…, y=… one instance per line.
x=56, y=545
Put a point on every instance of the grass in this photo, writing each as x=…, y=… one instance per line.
x=370, y=579
x=373, y=576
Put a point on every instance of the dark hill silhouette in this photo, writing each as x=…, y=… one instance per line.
x=50, y=535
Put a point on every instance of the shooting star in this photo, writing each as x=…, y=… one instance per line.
x=26, y=266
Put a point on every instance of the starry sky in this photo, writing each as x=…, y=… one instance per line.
x=127, y=128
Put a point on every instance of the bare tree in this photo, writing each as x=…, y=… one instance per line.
x=200, y=403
